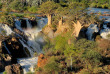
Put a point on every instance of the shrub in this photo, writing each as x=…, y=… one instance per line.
x=17, y=5
x=9, y=20
x=92, y=57
x=85, y=44
x=32, y=9
x=93, y=5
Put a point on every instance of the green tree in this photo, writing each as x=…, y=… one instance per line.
x=70, y=52
x=51, y=66
x=48, y=8
x=17, y=5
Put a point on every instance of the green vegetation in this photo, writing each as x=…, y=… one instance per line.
x=81, y=54
x=32, y=6
x=65, y=53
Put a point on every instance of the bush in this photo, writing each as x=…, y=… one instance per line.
x=32, y=9
x=92, y=57
x=85, y=44
x=93, y=5
x=51, y=66
x=9, y=20
x=17, y=5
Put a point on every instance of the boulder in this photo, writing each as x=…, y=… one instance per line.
x=2, y=64
x=14, y=47
x=48, y=31
x=14, y=69
x=4, y=61
x=41, y=60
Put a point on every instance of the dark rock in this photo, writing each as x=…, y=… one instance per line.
x=4, y=61
x=23, y=23
x=14, y=69
x=33, y=22
x=15, y=48
x=2, y=65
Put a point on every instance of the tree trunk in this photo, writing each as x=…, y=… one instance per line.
x=71, y=63
x=61, y=22
x=49, y=16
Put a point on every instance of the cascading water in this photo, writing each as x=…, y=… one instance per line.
x=90, y=30
x=105, y=32
x=32, y=43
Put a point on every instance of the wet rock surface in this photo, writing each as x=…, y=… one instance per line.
x=13, y=47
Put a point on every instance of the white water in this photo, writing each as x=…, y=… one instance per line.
x=90, y=30
x=105, y=32
x=32, y=43
x=7, y=30
x=28, y=64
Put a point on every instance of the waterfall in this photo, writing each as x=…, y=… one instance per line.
x=6, y=28
x=28, y=24
x=105, y=32
x=90, y=30
x=28, y=64
x=32, y=44
x=29, y=49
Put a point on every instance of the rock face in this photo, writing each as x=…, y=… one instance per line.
x=14, y=69
x=13, y=47
x=4, y=61
x=41, y=60
x=48, y=31
x=25, y=23
x=2, y=64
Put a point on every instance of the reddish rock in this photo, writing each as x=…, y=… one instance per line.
x=41, y=60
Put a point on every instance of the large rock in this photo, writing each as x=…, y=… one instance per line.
x=48, y=31
x=41, y=60
x=14, y=47
x=2, y=64
x=4, y=61
x=14, y=69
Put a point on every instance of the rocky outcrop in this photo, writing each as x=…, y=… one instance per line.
x=14, y=47
x=2, y=64
x=14, y=69
x=48, y=31
x=61, y=29
x=41, y=60
x=24, y=22
x=4, y=61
